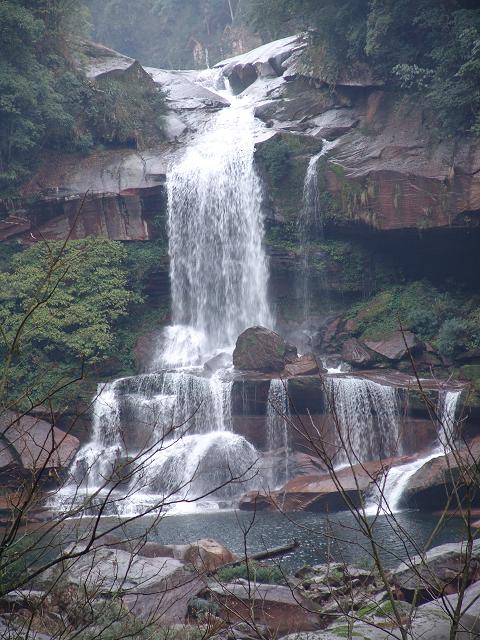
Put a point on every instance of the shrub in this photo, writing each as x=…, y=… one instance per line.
x=423, y=322
x=453, y=337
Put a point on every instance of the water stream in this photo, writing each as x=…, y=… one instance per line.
x=184, y=448
x=387, y=496
x=278, y=433
x=310, y=226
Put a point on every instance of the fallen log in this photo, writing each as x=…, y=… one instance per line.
x=274, y=552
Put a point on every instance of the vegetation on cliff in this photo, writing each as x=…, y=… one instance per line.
x=428, y=49
x=47, y=102
x=59, y=309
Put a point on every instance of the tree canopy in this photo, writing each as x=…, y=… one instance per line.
x=59, y=305
x=430, y=48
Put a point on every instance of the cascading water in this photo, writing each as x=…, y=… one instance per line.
x=366, y=419
x=278, y=437
x=178, y=416
x=218, y=267
x=387, y=497
x=310, y=224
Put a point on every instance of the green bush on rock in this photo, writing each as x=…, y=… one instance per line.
x=254, y=571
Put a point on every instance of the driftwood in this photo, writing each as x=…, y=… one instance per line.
x=274, y=552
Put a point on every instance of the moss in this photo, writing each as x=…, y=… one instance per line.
x=383, y=313
x=284, y=159
x=255, y=571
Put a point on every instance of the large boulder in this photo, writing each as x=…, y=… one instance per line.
x=150, y=588
x=34, y=445
x=304, y=366
x=430, y=486
x=261, y=349
x=355, y=353
x=205, y=555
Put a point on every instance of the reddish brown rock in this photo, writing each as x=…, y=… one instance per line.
x=319, y=491
x=143, y=350
x=205, y=554
x=37, y=444
x=429, y=487
x=355, y=353
x=305, y=365
x=277, y=607
x=396, y=346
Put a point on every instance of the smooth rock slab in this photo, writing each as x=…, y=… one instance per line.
x=150, y=587
x=396, y=346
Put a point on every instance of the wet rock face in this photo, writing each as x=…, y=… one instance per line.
x=260, y=349
x=274, y=606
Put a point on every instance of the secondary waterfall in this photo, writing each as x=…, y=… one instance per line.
x=387, y=495
x=310, y=225
x=365, y=414
x=278, y=436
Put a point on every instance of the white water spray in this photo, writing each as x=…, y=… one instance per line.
x=218, y=269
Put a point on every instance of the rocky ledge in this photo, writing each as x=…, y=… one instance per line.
x=152, y=587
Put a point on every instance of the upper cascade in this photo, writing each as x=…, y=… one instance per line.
x=218, y=270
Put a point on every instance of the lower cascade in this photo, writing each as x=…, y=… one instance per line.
x=278, y=433
x=388, y=494
x=366, y=417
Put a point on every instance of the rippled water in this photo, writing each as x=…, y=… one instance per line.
x=336, y=537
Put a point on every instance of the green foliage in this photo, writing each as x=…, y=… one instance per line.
x=452, y=337
x=254, y=571
x=70, y=300
x=427, y=47
x=423, y=322
x=276, y=158
x=422, y=308
x=417, y=306
x=45, y=103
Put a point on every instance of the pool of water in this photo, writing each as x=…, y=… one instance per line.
x=337, y=537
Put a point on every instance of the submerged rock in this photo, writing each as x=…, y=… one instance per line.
x=261, y=349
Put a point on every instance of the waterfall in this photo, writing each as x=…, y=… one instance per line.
x=172, y=428
x=397, y=479
x=278, y=440
x=218, y=268
x=366, y=419
x=94, y=462
x=310, y=219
